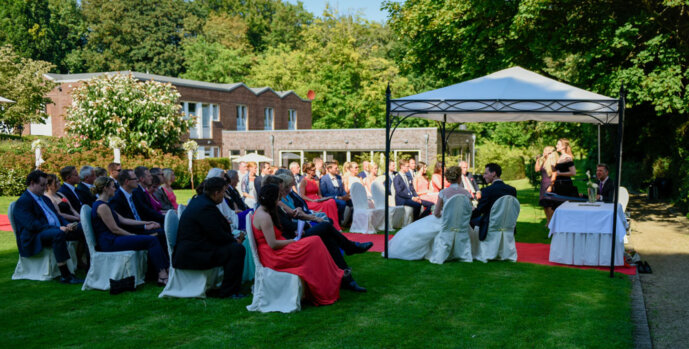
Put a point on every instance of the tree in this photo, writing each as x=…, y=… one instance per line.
x=21, y=80
x=140, y=35
x=214, y=62
x=42, y=30
x=146, y=115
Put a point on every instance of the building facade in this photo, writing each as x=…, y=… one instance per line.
x=217, y=107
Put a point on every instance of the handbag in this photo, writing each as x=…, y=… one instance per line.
x=122, y=285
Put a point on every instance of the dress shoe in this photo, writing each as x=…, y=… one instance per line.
x=353, y=286
x=72, y=280
x=239, y=296
x=648, y=268
x=363, y=246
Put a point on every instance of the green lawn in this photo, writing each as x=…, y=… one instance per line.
x=409, y=304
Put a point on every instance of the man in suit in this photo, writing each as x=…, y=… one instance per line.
x=38, y=224
x=468, y=182
x=83, y=189
x=332, y=187
x=70, y=179
x=205, y=240
x=406, y=195
x=123, y=203
x=114, y=169
x=295, y=169
x=412, y=168
x=364, y=169
x=606, y=188
x=232, y=194
x=497, y=189
x=142, y=200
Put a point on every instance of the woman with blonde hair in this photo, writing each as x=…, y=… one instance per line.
x=564, y=171
x=371, y=176
x=351, y=175
x=545, y=164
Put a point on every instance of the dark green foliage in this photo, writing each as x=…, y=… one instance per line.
x=223, y=163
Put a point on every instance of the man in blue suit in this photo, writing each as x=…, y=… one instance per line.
x=489, y=195
x=405, y=193
x=142, y=200
x=70, y=179
x=123, y=203
x=332, y=187
x=38, y=224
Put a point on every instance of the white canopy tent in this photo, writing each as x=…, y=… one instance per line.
x=513, y=94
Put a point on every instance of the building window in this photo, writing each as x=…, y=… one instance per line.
x=215, y=112
x=241, y=118
x=207, y=152
x=268, y=119
x=292, y=119
x=257, y=151
x=204, y=115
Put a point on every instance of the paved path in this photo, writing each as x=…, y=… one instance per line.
x=661, y=237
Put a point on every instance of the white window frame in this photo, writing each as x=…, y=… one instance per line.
x=197, y=130
x=244, y=117
x=268, y=112
x=291, y=119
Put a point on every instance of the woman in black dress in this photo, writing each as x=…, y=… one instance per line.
x=546, y=165
x=564, y=171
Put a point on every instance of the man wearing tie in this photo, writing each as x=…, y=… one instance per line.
x=468, y=182
x=406, y=195
x=123, y=204
x=39, y=225
x=331, y=186
x=70, y=179
x=606, y=190
x=412, y=168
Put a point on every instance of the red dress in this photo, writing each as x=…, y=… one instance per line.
x=329, y=207
x=307, y=258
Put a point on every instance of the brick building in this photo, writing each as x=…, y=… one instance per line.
x=234, y=119
x=218, y=107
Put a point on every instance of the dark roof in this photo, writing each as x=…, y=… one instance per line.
x=63, y=78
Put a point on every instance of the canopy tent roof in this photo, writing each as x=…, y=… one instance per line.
x=513, y=94
x=253, y=157
x=5, y=100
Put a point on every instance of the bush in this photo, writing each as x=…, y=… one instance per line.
x=223, y=163
x=512, y=160
x=12, y=181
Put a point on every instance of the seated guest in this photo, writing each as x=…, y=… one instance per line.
x=248, y=185
x=110, y=236
x=412, y=168
x=168, y=179
x=606, y=187
x=293, y=200
x=114, y=169
x=60, y=202
x=87, y=175
x=333, y=240
x=101, y=172
x=310, y=191
x=414, y=241
x=371, y=176
x=205, y=240
x=223, y=206
x=123, y=203
x=331, y=186
x=318, y=164
x=351, y=176
x=406, y=195
x=38, y=225
x=153, y=192
x=437, y=177
x=142, y=199
x=422, y=186
x=468, y=182
x=490, y=194
x=364, y=169
x=306, y=257
x=70, y=179
x=294, y=168
x=234, y=199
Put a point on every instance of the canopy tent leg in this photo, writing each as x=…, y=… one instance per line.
x=387, y=167
x=444, y=145
x=618, y=156
x=598, y=144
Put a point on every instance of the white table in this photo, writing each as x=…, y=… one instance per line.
x=582, y=234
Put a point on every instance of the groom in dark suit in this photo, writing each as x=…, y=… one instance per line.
x=489, y=195
x=606, y=189
x=405, y=193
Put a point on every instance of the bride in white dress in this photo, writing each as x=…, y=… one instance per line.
x=414, y=241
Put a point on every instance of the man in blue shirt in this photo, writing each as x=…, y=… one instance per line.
x=38, y=224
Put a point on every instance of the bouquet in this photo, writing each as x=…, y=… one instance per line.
x=115, y=142
x=37, y=144
x=190, y=146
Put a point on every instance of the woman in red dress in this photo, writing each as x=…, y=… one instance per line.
x=437, y=178
x=310, y=191
x=307, y=257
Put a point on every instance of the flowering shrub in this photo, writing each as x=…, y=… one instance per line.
x=145, y=115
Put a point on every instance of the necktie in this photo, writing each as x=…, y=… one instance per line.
x=50, y=215
x=131, y=204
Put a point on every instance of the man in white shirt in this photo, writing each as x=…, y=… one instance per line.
x=331, y=186
x=468, y=182
x=412, y=167
x=406, y=195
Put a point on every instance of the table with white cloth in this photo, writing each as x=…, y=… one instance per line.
x=581, y=234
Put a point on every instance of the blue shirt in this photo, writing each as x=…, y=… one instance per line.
x=130, y=200
x=49, y=214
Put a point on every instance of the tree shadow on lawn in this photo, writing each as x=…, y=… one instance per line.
x=409, y=304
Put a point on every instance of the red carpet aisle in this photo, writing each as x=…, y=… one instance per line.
x=527, y=253
x=5, y=223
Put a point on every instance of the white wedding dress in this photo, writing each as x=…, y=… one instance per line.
x=415, y=241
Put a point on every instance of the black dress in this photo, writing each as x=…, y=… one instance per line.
x=563, y=185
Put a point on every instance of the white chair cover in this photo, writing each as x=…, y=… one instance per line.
x=186, y=283
x=623, y=198
x=42, y=266
x=499, y=243
x=110, y=265
x=180, y=209
x=397, y=215
x=364, y=219
x=453, y=240
x=272, y=290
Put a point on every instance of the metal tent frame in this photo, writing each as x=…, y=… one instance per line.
x=601, y=111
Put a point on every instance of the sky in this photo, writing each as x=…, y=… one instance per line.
x=368, y=9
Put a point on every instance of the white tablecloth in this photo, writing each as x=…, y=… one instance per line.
x=581, y=234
